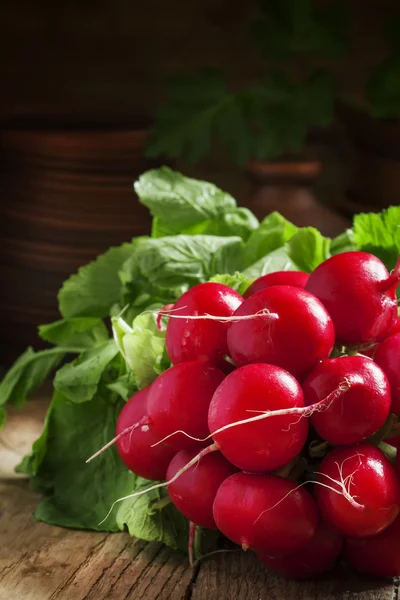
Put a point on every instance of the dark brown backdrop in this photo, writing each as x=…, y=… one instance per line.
x=71, y=70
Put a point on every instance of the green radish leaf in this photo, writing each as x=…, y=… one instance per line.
x=379, y=234
x=27, y=373
x=84, y=332
x=3, y=416
x=344, y=242
x=93, y=290
x=142, y=347
x=179, y=201
x=144, y=521
x=308, y=248
x=239, y=221
x=31, y=462
x=182, y=260
x=278, y=260
x=237, y=281
x=125, y=386
x=272, y=233
x=305, y=249
x=184, y=205
x=79, y=380
x=79, y=495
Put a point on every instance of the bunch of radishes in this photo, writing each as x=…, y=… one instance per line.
x=304, y=366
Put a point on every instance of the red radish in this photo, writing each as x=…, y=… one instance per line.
x=177, y=404
x=358, y=491
x=179, y=400
x=387, y=356
x=292, y=278
x=377, y=556
x=361, y=411
x=193, y=493
x=266, y=513
x=293, y=331
x=192, y=339
x=370, y=350
x=359, y=294
x=396, y=328
x=136, y=448
x=263, y=445
x=311, y=560
x=277, y=385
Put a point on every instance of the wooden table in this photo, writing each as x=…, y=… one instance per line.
x=41, y=562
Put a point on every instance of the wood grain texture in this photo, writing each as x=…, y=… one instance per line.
x=41, y=562
x=68, y=198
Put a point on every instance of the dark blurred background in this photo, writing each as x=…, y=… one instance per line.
x=82, y=83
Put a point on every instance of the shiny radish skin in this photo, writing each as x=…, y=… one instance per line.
x=179, y=400
x=136, y=448
x=353, y=286
x=312, y=560
x=396, y=328
x=292, y=278
x=370, y=480
x=360, y=411
x=266, y=513
x=201, y=339
x=295, y=335
x=193, y=493
x=377, y=556
x=264, y=445
x=387, y=356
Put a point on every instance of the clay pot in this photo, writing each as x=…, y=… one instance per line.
x=286, y=186
x=66, y=197
x=281, y=171
x=375, y=181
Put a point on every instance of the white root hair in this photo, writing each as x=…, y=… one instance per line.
x=157, y=486
x=302, y=411
x=344, y=484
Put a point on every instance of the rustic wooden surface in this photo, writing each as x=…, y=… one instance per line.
x=41, y=562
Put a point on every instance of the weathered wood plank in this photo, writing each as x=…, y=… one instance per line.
x=40, y=562
x=21, y=430
x=240, y=575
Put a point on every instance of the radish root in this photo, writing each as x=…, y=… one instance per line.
x=303, y=411
x=161, y=313
x=142, y=423
x=344, y=484
x=157, y=486
x=393, y=280
x=170, y=312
